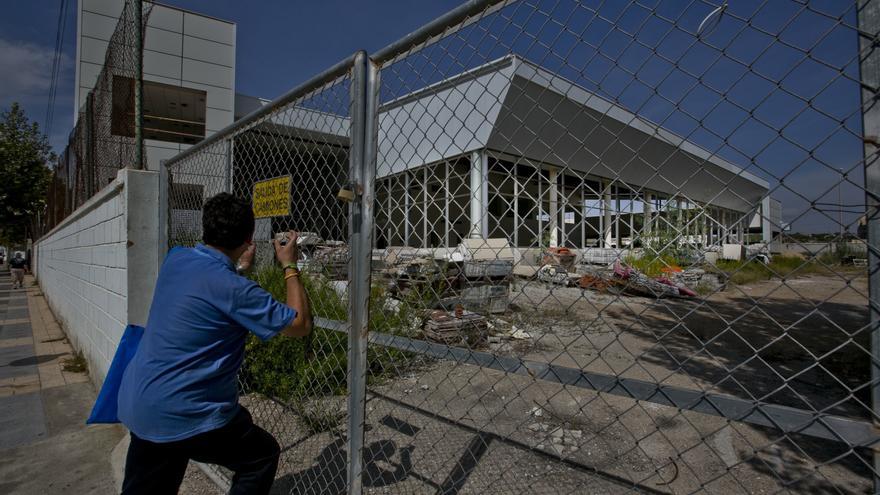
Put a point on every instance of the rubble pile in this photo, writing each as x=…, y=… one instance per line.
x=331, y=259
x=327, y=257
x=458, y=327
x=560, y=256
x=556, y=275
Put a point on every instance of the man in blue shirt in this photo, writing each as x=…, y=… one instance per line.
x=179, y=394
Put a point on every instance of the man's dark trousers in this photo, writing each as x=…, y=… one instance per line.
x=241, y=446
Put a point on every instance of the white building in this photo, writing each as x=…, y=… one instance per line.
x=189, y=71
x=509, y=149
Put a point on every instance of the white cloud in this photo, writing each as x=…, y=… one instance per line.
x=26, y=70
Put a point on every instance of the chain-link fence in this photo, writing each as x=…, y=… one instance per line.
x=291, y=159
x=616, y=247
x=105, y=138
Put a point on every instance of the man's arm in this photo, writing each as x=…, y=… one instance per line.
x=297, y=299
x=296, y=293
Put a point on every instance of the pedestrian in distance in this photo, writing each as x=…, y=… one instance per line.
x=179, y=394
x=18, y=267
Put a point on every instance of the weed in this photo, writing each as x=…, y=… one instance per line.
x=75, y=364
x=291, y=371
x=746, y=272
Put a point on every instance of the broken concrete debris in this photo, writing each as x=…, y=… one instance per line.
x=447, y=328
x=556, y=275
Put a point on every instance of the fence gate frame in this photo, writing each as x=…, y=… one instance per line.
x=364, y=136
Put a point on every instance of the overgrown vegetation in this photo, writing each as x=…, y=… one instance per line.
x=301, y=372
x=75, y=364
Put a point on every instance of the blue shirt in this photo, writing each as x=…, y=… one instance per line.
x=182, y=380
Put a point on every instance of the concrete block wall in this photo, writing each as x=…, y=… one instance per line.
x=97, y=269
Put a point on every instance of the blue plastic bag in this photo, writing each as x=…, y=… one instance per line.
x=106, y=408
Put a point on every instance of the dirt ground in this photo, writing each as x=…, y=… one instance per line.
x=450, y=428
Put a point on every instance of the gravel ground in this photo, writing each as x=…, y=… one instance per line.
x=195, y=482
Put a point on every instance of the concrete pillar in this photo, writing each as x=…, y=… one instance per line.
x=516, y=193
x=617, y=217
x=447, y=224
x=424, y=208
x=142, y=234
x=648, y=209
x=479, y=192
x=766, y=226
x=704, y=231
x=606, y=207
x=407, y=205
x=554, y=206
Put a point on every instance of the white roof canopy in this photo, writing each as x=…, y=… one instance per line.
x=515, y=107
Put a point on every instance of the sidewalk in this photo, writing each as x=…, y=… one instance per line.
x=45, y=446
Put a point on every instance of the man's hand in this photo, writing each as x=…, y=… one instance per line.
x=287, y=253
x=247, y=258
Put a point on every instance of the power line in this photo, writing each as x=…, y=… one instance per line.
x=56, y=66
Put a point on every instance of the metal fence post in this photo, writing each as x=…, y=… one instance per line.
x=869, y=22
x=229, y=151
x=362, y=174
x=88, y=150
x=139, y=85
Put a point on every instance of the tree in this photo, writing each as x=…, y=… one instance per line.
x=25, y=155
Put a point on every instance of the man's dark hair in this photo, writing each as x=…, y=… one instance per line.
x=227, y=221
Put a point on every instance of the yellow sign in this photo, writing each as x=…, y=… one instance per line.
x=272, y=197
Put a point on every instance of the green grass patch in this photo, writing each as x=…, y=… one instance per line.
x=751, y=271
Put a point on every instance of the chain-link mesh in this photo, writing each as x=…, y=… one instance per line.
x=619, y=246
x=590, y=244
x=103, y=141
x=294, y=388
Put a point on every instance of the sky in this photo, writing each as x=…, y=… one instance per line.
x=280, y=43
x=768, y=85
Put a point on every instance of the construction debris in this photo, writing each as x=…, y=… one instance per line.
x=556, y=275
x=446, y=327
x=486, y=258
x=597, y=282
x=602, y=256
x=641, y=284
x=561, y=256
x=697, y=277
x=486, y=298
x=331, y=260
